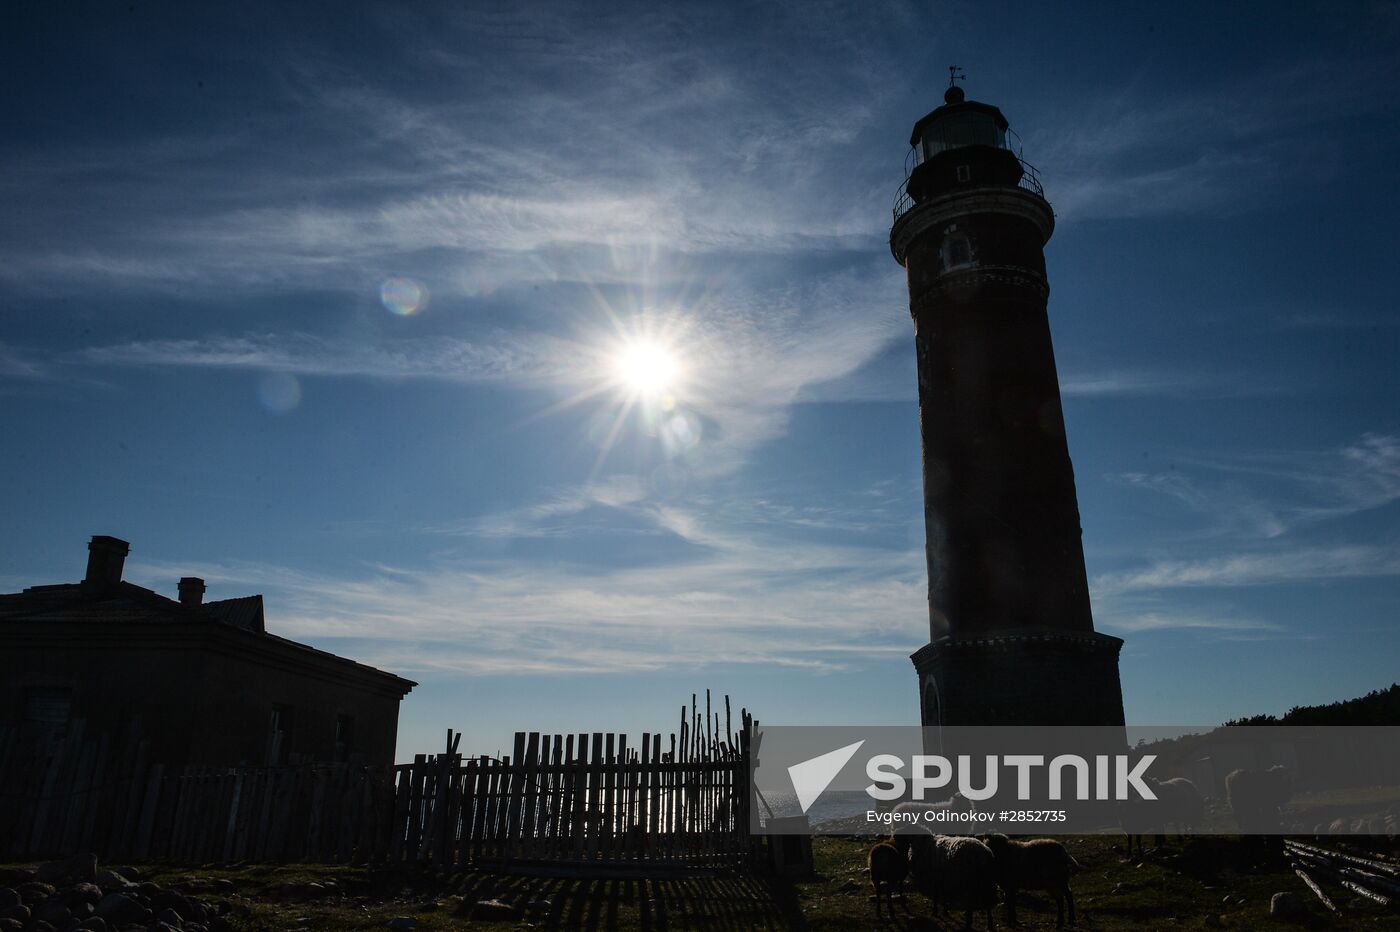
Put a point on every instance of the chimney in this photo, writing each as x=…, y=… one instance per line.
x=191, y=590
x=106, y=556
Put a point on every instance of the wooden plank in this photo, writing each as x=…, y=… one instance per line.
x=52, y=769
x=132, y=796
x=403, y=791
x=258, y=844
x=452, y=822
x=434, y=785
x=595, y=796
x=529, y=794
x=284, y=804
x=578, y=824
x=83, y=801
x=480, y=784
x=556, y=796
x=249, y=805
x=652, y=757
x=87, y=838
x=499, y=811
x=618, y=796
x=179, y=826
x=320, y=777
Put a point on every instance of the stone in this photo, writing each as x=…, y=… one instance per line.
x=493, y=909
x=402, y=922
x=170, y=917
x=53, y=912
x=1212, y=921
x=1286, y=906
x=120, y=909
x=130, y=873
x=9, y=897
x=18, y=911
x=11, y=925
x=108, y=881
x=83, y=867
x=83, y=893
x=34, y=891
x=94, y=924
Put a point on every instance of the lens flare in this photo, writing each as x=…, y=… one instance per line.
x=279, y=392
x=403, y=296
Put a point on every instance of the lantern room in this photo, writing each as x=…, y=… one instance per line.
x=956, y=124
x=961, y=144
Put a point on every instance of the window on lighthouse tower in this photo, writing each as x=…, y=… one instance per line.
x=957, y=251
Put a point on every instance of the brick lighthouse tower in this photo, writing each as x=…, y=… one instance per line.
x=1012, y=640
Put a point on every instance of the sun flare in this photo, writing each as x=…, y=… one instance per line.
x=647, y=368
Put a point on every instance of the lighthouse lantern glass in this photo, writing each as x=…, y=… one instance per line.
x=970, y=128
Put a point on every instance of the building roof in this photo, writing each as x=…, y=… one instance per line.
x=127, y=609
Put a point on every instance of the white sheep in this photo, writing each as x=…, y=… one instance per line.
x=1037, y=864
x=1178, y=804
x=954, y=871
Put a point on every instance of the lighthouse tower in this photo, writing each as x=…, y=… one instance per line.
x=1012, y=640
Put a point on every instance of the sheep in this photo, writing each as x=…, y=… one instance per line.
x=889, y=864
x=1178, y=804
x=954, y=871
x=1038, y=864
x=1255, y=797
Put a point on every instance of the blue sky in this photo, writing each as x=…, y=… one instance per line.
x=201, y=211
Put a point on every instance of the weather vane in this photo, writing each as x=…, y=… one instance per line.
x=955, y=74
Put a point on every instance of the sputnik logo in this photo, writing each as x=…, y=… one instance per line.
x=811, y=777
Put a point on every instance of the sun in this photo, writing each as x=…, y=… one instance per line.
x=647, y=368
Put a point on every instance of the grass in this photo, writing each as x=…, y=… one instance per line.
x=1181, y=887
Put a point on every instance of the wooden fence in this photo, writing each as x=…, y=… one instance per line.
x=574, y=799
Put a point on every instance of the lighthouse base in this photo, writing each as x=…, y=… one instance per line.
x=1029, y=676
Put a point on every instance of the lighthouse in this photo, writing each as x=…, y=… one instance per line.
x=1012, y=639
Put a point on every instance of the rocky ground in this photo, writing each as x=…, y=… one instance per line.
x=1203, y=883
x=63, y=896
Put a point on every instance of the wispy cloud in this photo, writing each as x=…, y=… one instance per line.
x=751, y=352
x=651, y=136
x=1265, y=495
x=1156, y=383
x=446, y=359
x=1275, y=567
x=18, y=364
x=743, y=601
x=1131, y=153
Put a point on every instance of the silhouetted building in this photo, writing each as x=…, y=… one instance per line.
x=203, y=682
x=1012, y=640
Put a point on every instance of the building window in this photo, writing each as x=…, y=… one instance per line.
x=957, y=250
x=964, y=173
x=344, y=737
x=48, y=707
x=279, y=734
